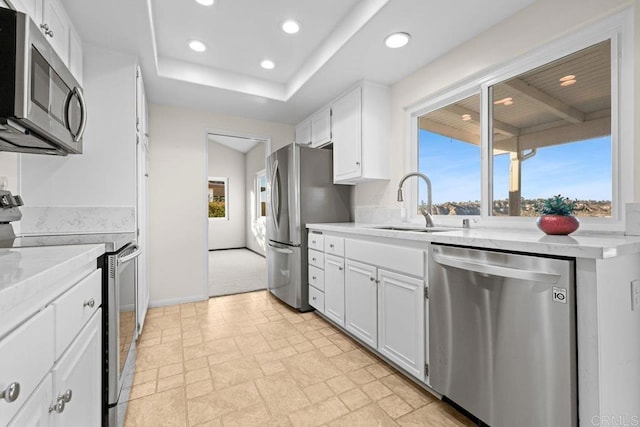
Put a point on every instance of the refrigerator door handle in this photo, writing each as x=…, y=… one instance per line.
x=494, y=270
x=280, y=250
x=275, y=195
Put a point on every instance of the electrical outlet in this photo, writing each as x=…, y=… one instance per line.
x=635, y=295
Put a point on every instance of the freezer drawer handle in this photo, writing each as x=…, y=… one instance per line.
x=281, y=250
x=494, y=270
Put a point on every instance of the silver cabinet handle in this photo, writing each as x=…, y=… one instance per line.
x=313, y=298
x=331, y=246
x=45, y=27
x=91, y=303
x=61, y=402
x=314, y=277
x=377, y=282
x=357, y=163
x=46, y=30
x=372, y=279
x=11, y=393
x=58, y=407
x=340, y=268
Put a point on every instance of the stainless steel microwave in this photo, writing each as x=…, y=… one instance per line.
x=42, y=107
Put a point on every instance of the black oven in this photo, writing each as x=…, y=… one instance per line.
x=42, y=108
x=119, y=293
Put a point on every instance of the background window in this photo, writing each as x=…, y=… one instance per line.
x=261, y=186
x=218, y=196
x=552, y=135
x=449, y=154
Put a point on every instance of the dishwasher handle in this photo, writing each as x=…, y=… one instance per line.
x=496, y=270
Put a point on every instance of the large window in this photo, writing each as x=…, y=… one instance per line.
x=555, y=121
x=449, y=154
x=552, y=135
x=218, y=196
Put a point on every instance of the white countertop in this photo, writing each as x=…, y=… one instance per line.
x=580, y=245
x=31, y=277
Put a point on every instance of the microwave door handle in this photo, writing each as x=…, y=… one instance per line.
x=127, y=258
x=83, y=114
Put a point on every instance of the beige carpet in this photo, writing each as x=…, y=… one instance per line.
x=235, y=271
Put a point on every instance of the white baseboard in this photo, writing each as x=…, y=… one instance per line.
x=174, y=301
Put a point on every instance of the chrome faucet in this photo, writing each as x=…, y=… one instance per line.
x=425, y=212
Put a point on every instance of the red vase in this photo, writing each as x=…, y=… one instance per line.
x=558, y=224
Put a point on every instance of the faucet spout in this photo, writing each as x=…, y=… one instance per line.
x=425, y=212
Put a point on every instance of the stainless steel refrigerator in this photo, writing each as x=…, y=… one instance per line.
x=300, y=190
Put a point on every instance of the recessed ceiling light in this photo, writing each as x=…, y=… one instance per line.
x=205, y=2
x=290, y=27
x=567, y=82
x=504, y=101
x=267, y=64
x=197, y=45
x=567, y=78
x=466, y=117
x=396, y=40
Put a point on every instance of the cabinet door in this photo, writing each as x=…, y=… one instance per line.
x=33, y=8
x=35, y=411
x=142, y=125
x=75, y=55
x=334, y=288
x=346, y=135
x=401, y=321
x=361, y=301
x=54, y=16
x=142, y=219
x=79, y=370
x=321, y=127
x=303, y=133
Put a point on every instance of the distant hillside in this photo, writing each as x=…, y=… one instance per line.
x=591, y=208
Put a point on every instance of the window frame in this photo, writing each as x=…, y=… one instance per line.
x=619, y=29
x=259, y=175
x=225, y=179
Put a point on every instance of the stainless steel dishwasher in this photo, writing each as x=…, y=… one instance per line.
x=502, y=335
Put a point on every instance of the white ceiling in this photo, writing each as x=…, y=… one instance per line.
x=340, y=43
x=238, y=143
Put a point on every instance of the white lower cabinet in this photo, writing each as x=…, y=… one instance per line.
x=334, y=288
x=361, y=301
x=78, y=375
x=401, y=321
x=35, y=411
x=54, y=361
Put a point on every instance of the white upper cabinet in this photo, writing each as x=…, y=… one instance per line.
x=360, y=134
x=321, y=128
x=303, y=132
x=52, y=19
x=55, y=25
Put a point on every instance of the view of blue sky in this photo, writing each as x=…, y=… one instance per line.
x=579, y=170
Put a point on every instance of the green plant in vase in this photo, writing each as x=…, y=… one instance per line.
x=556, y=215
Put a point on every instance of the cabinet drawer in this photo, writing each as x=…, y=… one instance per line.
x=74, y=308
x=316, y=241
x=316, y=299
x=27, y=356
x=316, y=277
x=316, y=258
x=334, y=245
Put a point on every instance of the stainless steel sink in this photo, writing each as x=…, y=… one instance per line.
x=414, y=229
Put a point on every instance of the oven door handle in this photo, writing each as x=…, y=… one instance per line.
x=127, y=258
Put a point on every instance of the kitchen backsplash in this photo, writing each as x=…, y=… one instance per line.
x=378, y=215
x=632, y=219
x=58, y=220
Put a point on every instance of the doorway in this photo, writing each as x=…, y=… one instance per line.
x=236, y=193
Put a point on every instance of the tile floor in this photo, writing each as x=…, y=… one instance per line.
x=234, y=271
x=249, y=360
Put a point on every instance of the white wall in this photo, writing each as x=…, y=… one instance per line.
x=104, y=175
x=227, y=162
x=178, y=208
x=9, y=169
x=256, y=232
x=532, y=27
